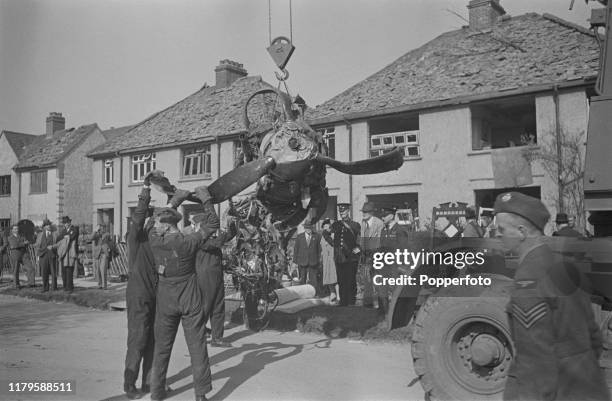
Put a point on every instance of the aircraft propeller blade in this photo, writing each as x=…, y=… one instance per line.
x=380, y=164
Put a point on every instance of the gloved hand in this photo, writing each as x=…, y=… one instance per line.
x=202, y=194
x=179, y=197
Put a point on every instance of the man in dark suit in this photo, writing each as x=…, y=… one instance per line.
x=557, y=341
x=392, y=238
x=563, y=228
x=46, y=255
x=18, y=256
x=346, y=254
x=307, y=255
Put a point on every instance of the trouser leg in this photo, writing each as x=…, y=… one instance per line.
x=341, y=270
x=30, y=270
x=352, y=282
x=53, y=268
x=167, y=319
x=194, y=320
x=103, y=270
x=213, y=292
x=368, y=288
x=16, y=264
x=303, y=274
x=313, y=280
x=63, y=273
x=96, y=263
x=45, y=270
x=140, y=317
x=69, y=271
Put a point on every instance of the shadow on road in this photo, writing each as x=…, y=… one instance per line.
x=254, y=360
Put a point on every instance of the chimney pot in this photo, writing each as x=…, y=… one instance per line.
x=55, y=122
x=484, y=13
x=227, y=72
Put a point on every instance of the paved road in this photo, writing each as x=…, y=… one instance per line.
x=42, y=341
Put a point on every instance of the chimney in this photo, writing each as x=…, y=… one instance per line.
x=55, y=122
x=227, y=72
x=484, y=13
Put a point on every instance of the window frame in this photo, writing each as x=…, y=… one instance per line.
x=202, y=158
x=391, y=138
x=105, y=168
x=5, y=185
x=42, y=182
x=148, y=165
x=329, y=134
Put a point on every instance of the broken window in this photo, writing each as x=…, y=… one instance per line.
x=401, y=132
x=504, y=123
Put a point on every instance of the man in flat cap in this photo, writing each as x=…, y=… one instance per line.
x=45, y=250
x=392, y=238
x=486, y=219
x=563, y=227
x=346, y=254
x=209, y=271
x=371, y=226
x=556, y=338
x=179, y=298
x=307, y=255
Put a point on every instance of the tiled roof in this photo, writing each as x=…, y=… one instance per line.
x=45, y=151
x=112, y=134
x=206, y=114
x=18, y=141
x=516, y=53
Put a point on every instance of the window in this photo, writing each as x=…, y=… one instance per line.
x=141, y=165
x=38, y=182
x=504, y=123
x=407, y=142
x=5, y=185
x=5, y=224
x=400, y=132
x=237, y=152
x=108, y=172
x=196, y=161
x=329, y=137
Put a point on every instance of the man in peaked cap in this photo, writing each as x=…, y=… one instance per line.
x=371, y=226
x=556, y=338
x=346, y=254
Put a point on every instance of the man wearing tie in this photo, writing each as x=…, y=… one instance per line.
x=46, y=255
x=371, y=228
x=307, y=255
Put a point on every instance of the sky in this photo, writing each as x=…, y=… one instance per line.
x=116, y=62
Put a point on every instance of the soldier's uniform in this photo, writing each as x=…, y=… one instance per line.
x=556, y=339
x=346, y=239
x=140, y=297
x=179, y=300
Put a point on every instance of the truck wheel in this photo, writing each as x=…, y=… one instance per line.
x=461, y=344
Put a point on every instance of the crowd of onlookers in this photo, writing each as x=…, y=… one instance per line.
x=333, y=259
x=56, y=252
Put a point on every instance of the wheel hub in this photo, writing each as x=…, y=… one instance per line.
x=487, y=350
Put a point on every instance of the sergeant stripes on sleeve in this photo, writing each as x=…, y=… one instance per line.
x=529, y=317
